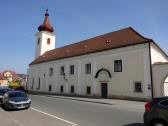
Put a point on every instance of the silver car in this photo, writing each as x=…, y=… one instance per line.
x=16, y=100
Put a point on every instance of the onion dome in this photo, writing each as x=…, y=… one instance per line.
x=46, y=26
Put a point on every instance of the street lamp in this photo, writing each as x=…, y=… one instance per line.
x=64, y=76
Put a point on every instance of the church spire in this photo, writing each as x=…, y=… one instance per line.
x=46, y=26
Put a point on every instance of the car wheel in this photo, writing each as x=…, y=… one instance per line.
x=6, y=106
x=159, y=123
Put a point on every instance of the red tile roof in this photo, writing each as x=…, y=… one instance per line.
x=122, y=38
x=46, y=26
x=1, y=77
x=14, y=74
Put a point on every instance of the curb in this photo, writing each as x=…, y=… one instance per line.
x=59, y=97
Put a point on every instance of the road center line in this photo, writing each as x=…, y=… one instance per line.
x=72, y=124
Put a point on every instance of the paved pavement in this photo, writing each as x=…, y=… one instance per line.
x=70, y=111
x=29, y=117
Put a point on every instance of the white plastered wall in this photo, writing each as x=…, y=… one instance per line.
x=43, y=46
x=136, y=67
x=157, y=55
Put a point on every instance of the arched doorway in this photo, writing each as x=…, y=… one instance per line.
x=103, y=75
x=103, y=70
x=165, y=86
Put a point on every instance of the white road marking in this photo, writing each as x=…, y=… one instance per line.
x=13, y=119
x=17, y=122
x=72, y=124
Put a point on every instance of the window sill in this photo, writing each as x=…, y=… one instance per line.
x=138, y=92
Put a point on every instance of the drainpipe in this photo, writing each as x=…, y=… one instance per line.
x=151, y=72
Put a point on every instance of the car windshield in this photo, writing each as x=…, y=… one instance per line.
x=3, y=91
x=17, y=94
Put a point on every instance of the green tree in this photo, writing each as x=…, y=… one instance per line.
x=15, y=84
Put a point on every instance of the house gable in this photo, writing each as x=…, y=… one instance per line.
x=157, y=54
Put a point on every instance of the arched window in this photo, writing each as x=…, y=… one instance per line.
x=38, y=41
x=48, y=41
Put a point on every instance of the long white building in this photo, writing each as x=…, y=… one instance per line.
x=121, y=64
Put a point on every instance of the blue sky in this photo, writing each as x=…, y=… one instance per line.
x=74, y=20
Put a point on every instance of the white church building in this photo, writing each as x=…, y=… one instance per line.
x=120, y=64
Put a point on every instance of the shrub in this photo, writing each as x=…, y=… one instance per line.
x=14, y=84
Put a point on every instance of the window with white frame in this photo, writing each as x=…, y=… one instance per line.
x=88, y=68
x=50, y=71
x=138, y=87
x=62, y=70
x=71, y=69
x=117, y=65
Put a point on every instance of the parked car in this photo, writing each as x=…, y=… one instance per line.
x=156, y=112
x=2, y=92
x=16, y=100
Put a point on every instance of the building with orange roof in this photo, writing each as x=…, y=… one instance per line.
x=8, y=76
x=119, y=64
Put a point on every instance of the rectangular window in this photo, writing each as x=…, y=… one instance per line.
x=49, y=88
x=138, y=87
x=38, y=41
x=32, y=83
x=88, y=90
x=38, y=84
x=50, y=71
x=117, y=65
x=62, y=89
x=71, y=69
x=72, y=89
x=62, y=71
x=88, y=68
x=48, y=41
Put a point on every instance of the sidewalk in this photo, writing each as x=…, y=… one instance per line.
x=113, y=102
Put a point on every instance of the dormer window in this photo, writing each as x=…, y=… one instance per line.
x=48, y=41
x=38, y=41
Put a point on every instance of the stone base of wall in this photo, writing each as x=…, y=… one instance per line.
x=130, y=98
x=91, y=96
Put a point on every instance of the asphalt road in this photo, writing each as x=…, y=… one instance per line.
x=91, y=114
x=48, y=111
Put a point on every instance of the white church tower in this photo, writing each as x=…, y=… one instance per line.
x=45, y=38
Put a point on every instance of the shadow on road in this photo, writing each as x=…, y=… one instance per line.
x=11, y=110
x=135, y=124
